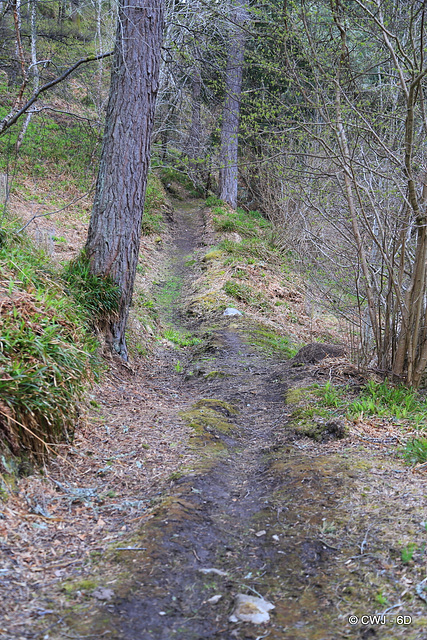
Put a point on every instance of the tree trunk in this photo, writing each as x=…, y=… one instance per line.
x=115, y=226
x=228, y=174
x=34, y=68
x=194, y=138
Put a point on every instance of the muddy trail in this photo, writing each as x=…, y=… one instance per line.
x=260, y=513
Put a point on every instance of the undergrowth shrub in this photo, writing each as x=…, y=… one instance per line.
x=47, y=354
x=379, y=399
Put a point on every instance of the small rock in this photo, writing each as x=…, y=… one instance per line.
x=214, y=599
x=218, y=572
x=162, y=613
x=251, y=609
x=232, y=312
x=260, y=533
x=275, y=538
x=101, y=593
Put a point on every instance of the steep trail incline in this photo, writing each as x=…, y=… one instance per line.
x=259, y=513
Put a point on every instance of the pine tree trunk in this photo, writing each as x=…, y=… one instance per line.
x=115, y=226
x=228, y=174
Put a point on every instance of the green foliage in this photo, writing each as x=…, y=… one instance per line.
x=330, y=396
x=380, y=598
x=98, y=295
x=252, y=250
x=47, y=355
x=152, y=219
x=386, y=400
x=407, y=553
x=246, y=224
x=213, y=201
x=273, y=343
x=415, y=451
x=178, y=174
x=245, y=293
x=73, y=146
x=143, y=301
x=182, y=339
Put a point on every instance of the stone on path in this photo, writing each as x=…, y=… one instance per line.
x=251, y=609
x=232, y=312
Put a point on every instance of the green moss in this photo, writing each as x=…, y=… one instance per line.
x=217, y=405
x=298, y=394
x=215, y=254
x=80, y=585
x=214, y=375
x=181, y=338
x=207, y=421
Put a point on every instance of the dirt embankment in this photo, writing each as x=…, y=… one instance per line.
x=318, y=530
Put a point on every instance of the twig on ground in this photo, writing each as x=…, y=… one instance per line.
x=364, y=541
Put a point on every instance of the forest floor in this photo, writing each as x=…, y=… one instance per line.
x=188, y=486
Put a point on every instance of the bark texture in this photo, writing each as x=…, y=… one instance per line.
x=195, y=135
x=115, y=226
x=228, y=174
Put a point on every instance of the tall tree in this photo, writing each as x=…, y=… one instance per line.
x=228, y=174
x=115, y=226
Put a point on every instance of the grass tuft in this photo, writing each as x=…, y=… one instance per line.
x=98, y=295
x=182, y=339
x=47, y=354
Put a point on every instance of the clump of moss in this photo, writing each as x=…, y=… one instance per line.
x=208, y=419
x=217, y=405
x=310, y=419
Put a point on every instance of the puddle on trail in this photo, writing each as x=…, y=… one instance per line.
x=272, y=518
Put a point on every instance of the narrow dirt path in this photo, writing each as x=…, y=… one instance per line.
x=260, y=513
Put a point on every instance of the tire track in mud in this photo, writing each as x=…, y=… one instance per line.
x=270, y=518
